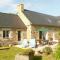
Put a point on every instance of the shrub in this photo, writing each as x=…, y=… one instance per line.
x=47, y=50
x=57, y=52
x=26, y=52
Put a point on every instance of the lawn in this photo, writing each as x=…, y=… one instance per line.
x=48, y=57
x=9, y=54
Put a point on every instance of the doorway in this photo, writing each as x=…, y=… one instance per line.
x=40, y=34
x=19, y=35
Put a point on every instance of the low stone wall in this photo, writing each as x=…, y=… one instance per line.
x=26, y=57
x=23, y=57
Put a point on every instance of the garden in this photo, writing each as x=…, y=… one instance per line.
x=9, y=53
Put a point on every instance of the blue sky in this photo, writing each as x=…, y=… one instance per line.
x=51, y=7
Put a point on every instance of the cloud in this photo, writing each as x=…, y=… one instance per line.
x=8, y=5
x=50, y=7
x=28, y=5
x=34, y=6
x=4, y=3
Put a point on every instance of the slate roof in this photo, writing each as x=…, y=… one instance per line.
x=41, y=19
x=11, y=21
x=14, y=21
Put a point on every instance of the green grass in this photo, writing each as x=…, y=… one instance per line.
x=9, y=54
x=48, y=57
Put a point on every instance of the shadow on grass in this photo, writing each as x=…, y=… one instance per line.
x=36, y=58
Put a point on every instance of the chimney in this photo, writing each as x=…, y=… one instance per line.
x=20, y=7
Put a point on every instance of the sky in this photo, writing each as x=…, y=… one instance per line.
x=50, y=7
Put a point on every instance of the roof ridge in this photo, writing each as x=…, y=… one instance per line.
x=7, y=13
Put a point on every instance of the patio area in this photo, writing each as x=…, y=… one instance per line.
x=32, y=44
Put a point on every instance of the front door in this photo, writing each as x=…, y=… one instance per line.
x=19, y=35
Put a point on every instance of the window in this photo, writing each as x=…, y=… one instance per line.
x=6, y=34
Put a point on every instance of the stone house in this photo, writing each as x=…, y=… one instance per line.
x=11, y=27
x=39, y=26
x=28, y=24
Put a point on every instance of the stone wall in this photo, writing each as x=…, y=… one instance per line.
x=13, y=34
x=21, y=57
x=50, y=31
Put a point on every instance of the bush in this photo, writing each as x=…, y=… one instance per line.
x=26, y=52
x=47, y=50
x=57, y=52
